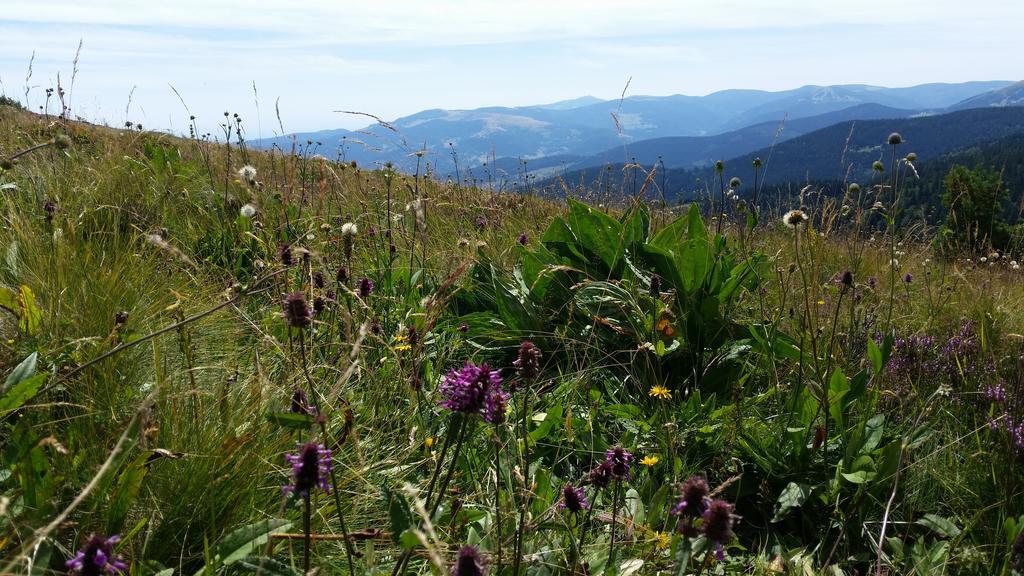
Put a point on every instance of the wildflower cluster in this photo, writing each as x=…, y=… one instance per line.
x=619, y=460
x=700, y=514
x=475, y=390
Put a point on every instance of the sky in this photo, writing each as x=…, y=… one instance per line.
x=308, y=59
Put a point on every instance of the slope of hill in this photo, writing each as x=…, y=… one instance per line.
x=1012, y=95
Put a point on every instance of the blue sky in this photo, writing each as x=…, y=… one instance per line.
x=393, y=58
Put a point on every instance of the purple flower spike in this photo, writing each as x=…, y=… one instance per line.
x=311, y=468
x=718, y=519
x=619, y=459
x=573, y=499
x=468, y=563
x=97, y=557
x=365, y=287
x=475, y=390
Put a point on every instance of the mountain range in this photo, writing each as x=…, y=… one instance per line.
x=841, y=152
x=591, y=130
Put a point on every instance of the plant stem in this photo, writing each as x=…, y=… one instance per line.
x=305, y=532
x=462, y=421
x=611, y=543
x=525, y=500
x=497, y=494
x=349, y=552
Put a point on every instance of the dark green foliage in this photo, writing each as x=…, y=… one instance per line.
x=6, y=100
x=974, y=200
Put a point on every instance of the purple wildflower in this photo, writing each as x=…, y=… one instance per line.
x=468, y=563
x=342, y=276
x=718, y=519
x=601, y=475
x=694, y=499
x=475, y=390
x=311, y=468
x=285, y=254
x=463, y=327
x=318, y=279
x=97, y=557
x=300, y=403
x=319, y=304
x=845, y=280
x=296, y=311
x=528, y=362
x=908, y=278
x=655, y=289
x=573, y=499
x=619, y=459
x=522, y=239
x=50, y=208
x=365, y=287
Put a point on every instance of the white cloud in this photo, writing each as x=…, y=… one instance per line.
x=396, y=57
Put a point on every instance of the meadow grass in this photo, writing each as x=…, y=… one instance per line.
x=817, y=407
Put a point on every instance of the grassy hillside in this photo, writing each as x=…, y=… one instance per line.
x=175, y=324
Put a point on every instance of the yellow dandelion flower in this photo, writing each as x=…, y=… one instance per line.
x=649, y=460
x=401, y=338
x=659, y=391
x=403, y=348
x=821, y=302
x=429, y=441
x=662, y=540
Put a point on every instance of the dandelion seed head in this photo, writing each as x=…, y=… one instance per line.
x=794, y=218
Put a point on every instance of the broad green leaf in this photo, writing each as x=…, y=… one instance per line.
x=737, y=276
x=636, y=225
x=873, y=429
x=838, y=386
x=792, y=496
x=940, y=525
x=129, y=482
x=597, y=233
x=400, y=514
x=670, y=237
x=552, y=418
x=24, y=370
x=875, y=355
x=29, y=316
x=695, y=224
x=291, y=420
x=693, y=261
x=9, y=300
x=859, y=477
x=20, y=393
x=635, y=506
x=246, y=541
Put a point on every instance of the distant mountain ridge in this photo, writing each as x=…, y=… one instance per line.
x=844, y=151
x=589, y=126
